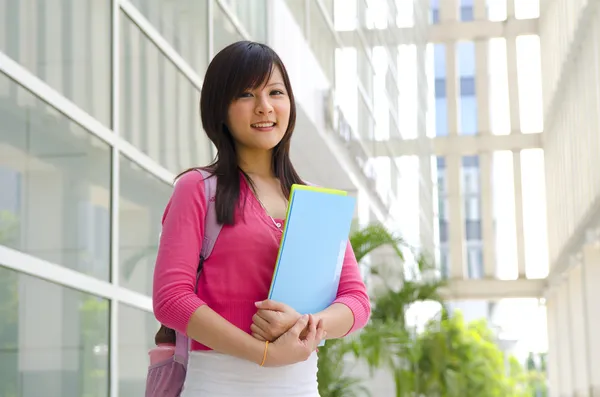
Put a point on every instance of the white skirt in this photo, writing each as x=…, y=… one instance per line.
x=212, y=374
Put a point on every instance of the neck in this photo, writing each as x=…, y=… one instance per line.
x=257, y=163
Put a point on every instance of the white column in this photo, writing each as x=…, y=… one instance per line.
x=456, y=218
x=554, y=362
x=480, y=10
x=510, y=8
x=591, y=277
x=448, y=11
x=518, y=186
x=482, y=84
x=578, y=332
x=564, y=340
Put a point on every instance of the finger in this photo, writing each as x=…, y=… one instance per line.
x=258, y=337
x=256, y=330
x=299, y=326
x=312, y=329
x=260, y=322
x=269, y=316
x=270, y=304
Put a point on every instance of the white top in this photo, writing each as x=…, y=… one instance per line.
x=212, y=374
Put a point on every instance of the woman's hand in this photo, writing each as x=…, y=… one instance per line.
x=272, y=320
x=291, y=347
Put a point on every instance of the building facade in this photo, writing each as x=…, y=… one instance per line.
x=99, y=109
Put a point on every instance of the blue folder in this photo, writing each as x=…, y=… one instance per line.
x=311, y=253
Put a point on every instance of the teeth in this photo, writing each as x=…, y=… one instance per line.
x=263, y=125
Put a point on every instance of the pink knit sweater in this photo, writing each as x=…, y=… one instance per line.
x=239, y=270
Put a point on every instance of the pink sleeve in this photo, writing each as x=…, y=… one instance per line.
x=174, y=299
x=352, y=291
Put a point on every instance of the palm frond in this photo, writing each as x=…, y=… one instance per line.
x=366, y=240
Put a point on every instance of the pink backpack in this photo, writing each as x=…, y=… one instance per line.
x=166, y=377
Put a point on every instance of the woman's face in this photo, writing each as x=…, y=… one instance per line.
x=259, y=118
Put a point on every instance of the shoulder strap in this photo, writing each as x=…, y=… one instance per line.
x=212, y=228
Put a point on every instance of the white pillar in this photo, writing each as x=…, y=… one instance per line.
x=578, y=332
x=456, y=217
x=554, y=363
x=564, y=340
x=518, y=192
x=591, y=277
x=482, y=84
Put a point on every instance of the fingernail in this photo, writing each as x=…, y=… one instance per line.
x=257, y=303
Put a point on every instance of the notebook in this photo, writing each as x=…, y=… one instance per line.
x=312, y=249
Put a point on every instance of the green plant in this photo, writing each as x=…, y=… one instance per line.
x=449, y=358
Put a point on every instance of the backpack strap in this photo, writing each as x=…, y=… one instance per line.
x=212, y=228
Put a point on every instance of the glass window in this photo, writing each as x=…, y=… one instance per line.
x=66, y=44
x=441, y=117
x=53, y=340
x=465, y=57
x=141, y=206
x=439, y=61
x=435, y=11
x=468, y=115
x=225, y=32
x=183, y=24
x=467, y=86
x=466, y=13
x=440, y=88
x=55, y=178
x=159, y=106
x=136, y=336
x=475, y=261
x=445, y=262
x=252, y=14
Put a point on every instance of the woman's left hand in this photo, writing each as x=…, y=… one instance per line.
x=272, y=320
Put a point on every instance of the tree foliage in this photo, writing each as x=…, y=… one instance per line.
x=449, y=358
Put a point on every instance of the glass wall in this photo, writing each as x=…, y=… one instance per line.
x=83, y=188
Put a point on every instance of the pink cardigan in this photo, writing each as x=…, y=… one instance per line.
x=239, y=270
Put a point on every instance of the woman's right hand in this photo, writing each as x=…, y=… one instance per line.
x=292, y=346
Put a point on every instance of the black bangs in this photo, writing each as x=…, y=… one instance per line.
x=253, y=67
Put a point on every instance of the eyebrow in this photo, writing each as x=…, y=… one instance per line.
x=276, y=83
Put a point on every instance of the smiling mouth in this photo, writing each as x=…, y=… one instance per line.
x=263, y=125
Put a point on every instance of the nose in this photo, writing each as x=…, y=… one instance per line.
x=263, y=105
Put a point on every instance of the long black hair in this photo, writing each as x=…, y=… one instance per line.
x=238, y=67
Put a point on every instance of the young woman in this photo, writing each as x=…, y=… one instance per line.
x=248, y=112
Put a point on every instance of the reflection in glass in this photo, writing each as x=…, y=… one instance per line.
x=141, y=206
x=55, y=178
x=53, y=340
x=136, y=336
x=64, y=43
x=159, y=106
x=225, y=32
x=183, y=24
x=252, y=14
